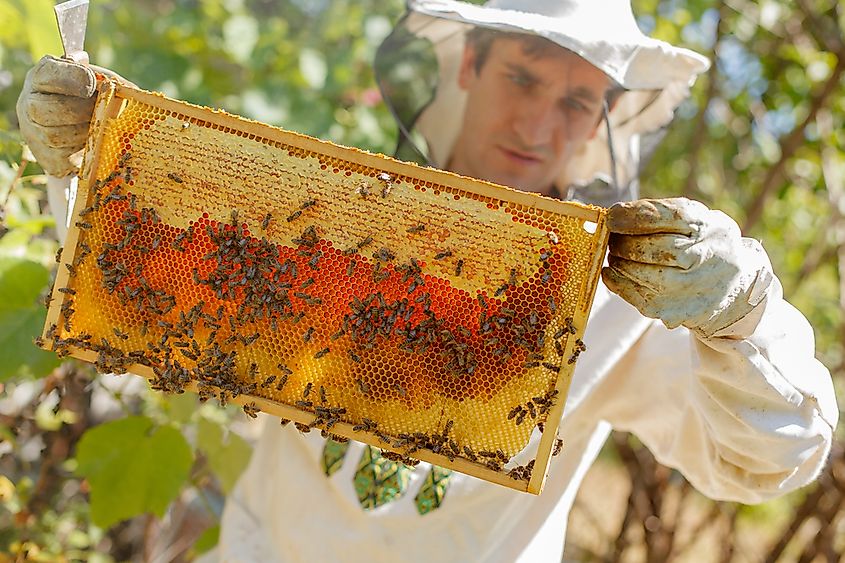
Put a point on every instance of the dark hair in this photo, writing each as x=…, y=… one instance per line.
x=481, y=38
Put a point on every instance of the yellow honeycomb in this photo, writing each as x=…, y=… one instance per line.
x=431, y=315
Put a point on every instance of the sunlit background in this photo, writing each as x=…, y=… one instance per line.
x=761, y=138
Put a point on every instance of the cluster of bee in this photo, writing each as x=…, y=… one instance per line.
x=134, y=288
x=502, y=327
x=440, y=443
x=579, y=347
x=109, y=358
x=375, y=316
x=522, y=472
x=536, y=407
x=363, y=189
x=250, y=271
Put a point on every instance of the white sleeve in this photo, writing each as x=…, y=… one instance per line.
x=745, y=415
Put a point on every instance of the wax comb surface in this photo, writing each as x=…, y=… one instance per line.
x=431, y=315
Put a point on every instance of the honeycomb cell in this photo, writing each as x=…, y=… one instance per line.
x=216, y=255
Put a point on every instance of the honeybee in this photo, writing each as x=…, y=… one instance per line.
x=552, y=305
x=384, y=254
x=363, y=189
x=321, y=353
x=551, y=367
x=251, y=410
x=400, y=390
x=295, y=215
x=174, y=177
x=282, y=381
x=362, y=386
x=119, y=334
x=312, y=263
x=387, y=181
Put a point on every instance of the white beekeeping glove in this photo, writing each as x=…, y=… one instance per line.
x=54, y=110
x=680, y=262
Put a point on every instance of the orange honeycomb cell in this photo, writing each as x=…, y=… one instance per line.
x=431, y=315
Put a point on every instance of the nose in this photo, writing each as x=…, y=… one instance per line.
x=536, y=122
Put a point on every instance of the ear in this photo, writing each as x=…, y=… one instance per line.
x=467, y=70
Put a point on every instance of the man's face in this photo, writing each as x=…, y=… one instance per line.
x=526, y=115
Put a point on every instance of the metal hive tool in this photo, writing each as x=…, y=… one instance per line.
x=428, y=314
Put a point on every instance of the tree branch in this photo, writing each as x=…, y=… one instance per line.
x=826, y=36
x=699, y=130
x=791, y=143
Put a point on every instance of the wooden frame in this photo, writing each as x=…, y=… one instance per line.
x=113, y=99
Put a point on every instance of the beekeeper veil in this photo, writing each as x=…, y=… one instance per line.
x=417, y=71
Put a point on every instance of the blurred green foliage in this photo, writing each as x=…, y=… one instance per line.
x=306, y=65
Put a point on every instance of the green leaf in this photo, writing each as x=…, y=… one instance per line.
x=207, y=540
x=41, y=28
x=12, y=16
x=180, y=408
x=22, y=319
x=227, y=459
x=132, y=467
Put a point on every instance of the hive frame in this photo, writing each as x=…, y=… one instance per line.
x=112, y=99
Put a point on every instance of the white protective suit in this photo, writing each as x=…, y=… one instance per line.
x=746, y=415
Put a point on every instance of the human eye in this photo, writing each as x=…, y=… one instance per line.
x=576, y=104
x=520, y=79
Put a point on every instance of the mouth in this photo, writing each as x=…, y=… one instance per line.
x=519, y=157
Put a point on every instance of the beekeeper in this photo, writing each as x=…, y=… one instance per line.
x=691, y=345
